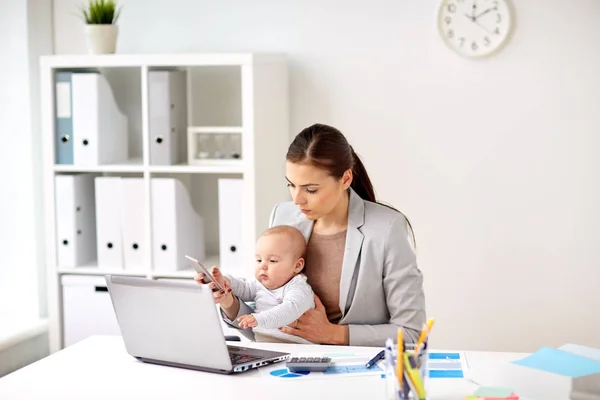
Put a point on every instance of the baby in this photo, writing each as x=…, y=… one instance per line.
x=279, y=290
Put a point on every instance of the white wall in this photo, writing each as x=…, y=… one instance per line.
x=25, y=33
x=495, y=162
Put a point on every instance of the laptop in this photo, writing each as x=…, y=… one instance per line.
x=177, y=324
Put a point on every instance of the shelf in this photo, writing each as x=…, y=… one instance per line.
x=158, y=60
x=215, y=129
x=205, y=167
x=133, y=165
x=93, y=270
x=184, y=273
x=188, y=272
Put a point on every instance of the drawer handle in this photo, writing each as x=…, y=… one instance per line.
x=101, y=289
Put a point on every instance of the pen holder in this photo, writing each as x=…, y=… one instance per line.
x=410, y=391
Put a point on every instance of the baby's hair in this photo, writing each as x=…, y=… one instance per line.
x=297, y=241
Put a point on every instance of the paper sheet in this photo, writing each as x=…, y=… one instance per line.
x=560, y=362
x=447, y=365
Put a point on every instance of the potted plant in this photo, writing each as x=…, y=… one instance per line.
x=101, y=30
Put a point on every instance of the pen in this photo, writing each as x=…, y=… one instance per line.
x=400, y=361
x=426, y=331
x=391, y=381
x=372, y=361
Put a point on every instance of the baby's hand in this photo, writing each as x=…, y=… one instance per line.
x=247, y=321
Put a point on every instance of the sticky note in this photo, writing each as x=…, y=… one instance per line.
x=498, y=393
x=560, y=362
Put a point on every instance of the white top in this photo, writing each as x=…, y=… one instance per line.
x=278, y=307
x=100, y=368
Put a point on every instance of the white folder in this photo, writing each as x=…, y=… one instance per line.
x=231, y=203
x=99, y=127
x=177, y=229
x=133, y=222
x=108, y=222
x=167, y=107
x=75, y=220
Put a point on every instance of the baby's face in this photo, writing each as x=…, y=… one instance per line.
x=276, y=262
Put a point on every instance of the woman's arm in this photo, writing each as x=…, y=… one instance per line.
x=403, y=287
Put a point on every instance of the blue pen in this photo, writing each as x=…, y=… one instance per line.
x=372, y=361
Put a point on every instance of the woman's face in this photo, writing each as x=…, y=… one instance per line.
x=313, y=190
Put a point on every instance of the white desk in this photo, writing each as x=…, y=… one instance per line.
x=100, y=368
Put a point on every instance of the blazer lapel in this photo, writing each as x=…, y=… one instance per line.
x=354, y=241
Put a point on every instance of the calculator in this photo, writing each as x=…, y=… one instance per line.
x=308, y=364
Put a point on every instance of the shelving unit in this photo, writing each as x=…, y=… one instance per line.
x=254, y=104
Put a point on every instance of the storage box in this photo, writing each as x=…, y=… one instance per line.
x=87, y=308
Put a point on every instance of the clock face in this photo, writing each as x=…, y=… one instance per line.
x=475, y=28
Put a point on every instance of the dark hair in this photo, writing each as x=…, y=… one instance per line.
x=326, y=148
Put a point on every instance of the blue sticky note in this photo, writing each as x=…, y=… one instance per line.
x=446, y=373
x=560, y=362
x=444, y=356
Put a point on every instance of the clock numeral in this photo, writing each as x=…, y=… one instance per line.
x=462, y=41
x=447, y=20
x=499, y=16
x=497, y=31
x=450, y=34
x=451, y=8
x=474, y=46
x=495, y=3
x=487, y=41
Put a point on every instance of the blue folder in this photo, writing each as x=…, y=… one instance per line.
x=63, y=130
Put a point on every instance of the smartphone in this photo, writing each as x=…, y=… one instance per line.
x=197, y=265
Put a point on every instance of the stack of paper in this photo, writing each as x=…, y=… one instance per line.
x=570, y=372
x=491, y=393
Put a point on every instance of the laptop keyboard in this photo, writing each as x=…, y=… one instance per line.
x=237, y=358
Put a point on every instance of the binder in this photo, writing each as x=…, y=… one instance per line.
x=177, y=229
x=108, y=222
x=63, y=128
x=167, y=107
x=99, y=127
x=133, y=222
x=75, y=220
x=231, y=203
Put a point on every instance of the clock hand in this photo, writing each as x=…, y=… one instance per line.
x=483, y=13
x=484, y=28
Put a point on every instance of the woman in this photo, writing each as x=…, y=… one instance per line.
x=359, y=260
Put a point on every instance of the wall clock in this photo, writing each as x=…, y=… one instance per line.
x=475, y=28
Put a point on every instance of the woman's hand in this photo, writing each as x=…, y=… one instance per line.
x=224, y=298
x=314, y=326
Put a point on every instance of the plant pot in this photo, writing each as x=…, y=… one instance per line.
x=101, y=39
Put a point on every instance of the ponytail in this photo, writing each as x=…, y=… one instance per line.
x=361, y=183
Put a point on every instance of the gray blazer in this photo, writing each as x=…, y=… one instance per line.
x=381, y=287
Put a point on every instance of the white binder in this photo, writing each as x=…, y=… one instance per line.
x=75, y=220
x=108, y=222
x=177, y=229
x=99, y=127
x=231, y=203
x=133, y=222
x=167, y=107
